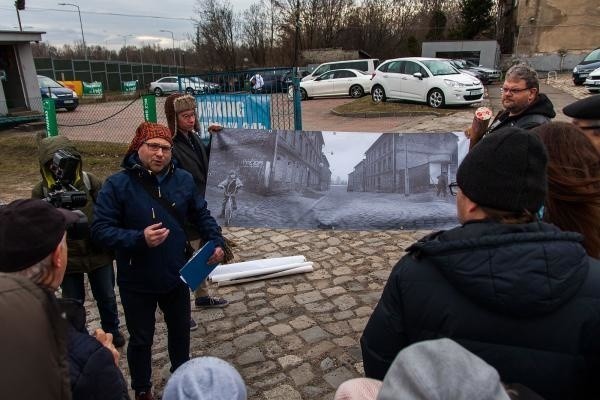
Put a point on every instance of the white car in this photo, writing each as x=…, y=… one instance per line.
x=170, y=84
x=428, y=80
x=592, y=82
x=338, y=82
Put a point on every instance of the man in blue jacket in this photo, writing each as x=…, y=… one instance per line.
x=139, y=214
x=518, y=293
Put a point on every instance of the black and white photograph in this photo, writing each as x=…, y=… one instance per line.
x=332, y=180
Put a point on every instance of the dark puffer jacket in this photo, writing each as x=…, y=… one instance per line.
x=538, y=113
x=124, y=209
x=524, y=298
x=92, y=368
x=83, y=256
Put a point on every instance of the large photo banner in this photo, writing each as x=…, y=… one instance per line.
x=333, y=180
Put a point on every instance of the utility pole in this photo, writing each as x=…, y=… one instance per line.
x=173, y=39
x=80, y=25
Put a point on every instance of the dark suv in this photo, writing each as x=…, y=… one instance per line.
x=583, y=69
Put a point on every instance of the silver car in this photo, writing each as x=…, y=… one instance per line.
x=171, y=84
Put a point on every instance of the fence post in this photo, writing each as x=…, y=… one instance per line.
x=297, y=107
x=149, y=104
x=50, y=117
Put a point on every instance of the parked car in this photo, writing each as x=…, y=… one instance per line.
x=587, y=65
x=170, y=84
x=461, y=66
x=484, y=74
x=429, y=80
x=63, y=96
x=592, y=83
x=338, y=82
x=365, y=65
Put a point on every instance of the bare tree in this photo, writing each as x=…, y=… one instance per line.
x=255, y=33
x=216, y=26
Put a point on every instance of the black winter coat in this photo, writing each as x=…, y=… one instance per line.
x=538, y=113
x=525, y=298
x=92, y=368
x=192, y=158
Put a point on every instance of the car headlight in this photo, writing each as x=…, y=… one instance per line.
x=453, y=84
x=74, y=94
x=53, y=96
x=575, y=70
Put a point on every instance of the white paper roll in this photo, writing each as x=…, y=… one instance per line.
x=292, y=271
x=256, y=271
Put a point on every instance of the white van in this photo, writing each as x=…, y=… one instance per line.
x=366, y=65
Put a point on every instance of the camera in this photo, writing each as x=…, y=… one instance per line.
x=63, y=194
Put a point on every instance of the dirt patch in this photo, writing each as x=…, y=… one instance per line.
x=366, y=108
x=20, y=166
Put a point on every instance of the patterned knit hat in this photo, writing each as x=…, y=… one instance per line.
x=147, y=131
x=176, y=103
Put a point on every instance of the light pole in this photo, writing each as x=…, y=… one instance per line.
x=80, y=25
x=173, y=39
x=125, y=45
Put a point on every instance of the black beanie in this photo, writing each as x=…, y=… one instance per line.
x=505, y=171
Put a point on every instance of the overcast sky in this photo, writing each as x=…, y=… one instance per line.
x=101, y=24
x=342, y=157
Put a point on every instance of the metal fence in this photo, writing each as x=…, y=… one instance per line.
x=111, y=73
x=225, y=98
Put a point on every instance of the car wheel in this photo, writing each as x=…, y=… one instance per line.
x=435, y=98
x=158, y=92
x=71, y=108
x=189, y=91
x=303, y=94
x=356, y=91
x=377, y=94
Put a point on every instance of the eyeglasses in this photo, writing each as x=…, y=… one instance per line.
x=156, y=147
x=512, y=91
x=453, y=188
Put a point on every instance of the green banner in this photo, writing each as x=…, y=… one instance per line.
x=149, y=103
x=128, y=86
x=92, y=89
x=50, y=116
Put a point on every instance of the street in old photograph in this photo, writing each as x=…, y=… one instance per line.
x=332, y=180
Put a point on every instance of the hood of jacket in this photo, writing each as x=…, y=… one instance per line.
x=541, y=106
x=46, y=149
x=522, y=269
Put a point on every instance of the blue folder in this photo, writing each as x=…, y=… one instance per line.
x=196, y=269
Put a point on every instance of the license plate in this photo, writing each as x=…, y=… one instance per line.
x=68, y=101
x=478, y=91
x=583, y=75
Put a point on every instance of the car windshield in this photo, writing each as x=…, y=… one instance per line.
x=593, y=56
x=459, y=63
x=439, y=67
x=196, y=79
x=46, y=82
x=470, y=63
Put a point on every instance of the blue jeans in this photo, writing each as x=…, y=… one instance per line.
x=102, y=282
x=140, y=309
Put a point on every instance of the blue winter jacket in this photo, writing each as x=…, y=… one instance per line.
x=124, y=209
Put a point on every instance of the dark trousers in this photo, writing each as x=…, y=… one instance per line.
x=102, y=282
x=140, y=309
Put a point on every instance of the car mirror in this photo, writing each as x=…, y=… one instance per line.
x=318, y=79
x=418, y=75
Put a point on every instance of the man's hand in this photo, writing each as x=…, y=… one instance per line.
x=106, y=340
x=155, y=235
x=217, y=256
x=214, y=128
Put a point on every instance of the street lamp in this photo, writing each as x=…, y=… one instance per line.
x=173, y=39
x=125, y=45
x=80, y=25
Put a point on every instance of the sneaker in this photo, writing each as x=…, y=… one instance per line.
x=144, y=396
x=118, y=339
x=211, y=302
x=193, y=324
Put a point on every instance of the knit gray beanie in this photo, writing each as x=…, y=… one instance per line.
x=440, y=370
x=205, y=378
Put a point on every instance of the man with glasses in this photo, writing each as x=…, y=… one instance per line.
x=139, y=214
x=519, y=293
x=524, y=106
x=586, y=116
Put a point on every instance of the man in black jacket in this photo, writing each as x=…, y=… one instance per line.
x=33, y=245
x=520, y=294
x=524, y=106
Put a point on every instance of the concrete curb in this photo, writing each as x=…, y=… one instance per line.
x=386, y=114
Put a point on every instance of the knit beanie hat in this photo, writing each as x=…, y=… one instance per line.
x=176, y=103
x=147, y=131
x=506, y=171
x=440, y=370
x=205, y=378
